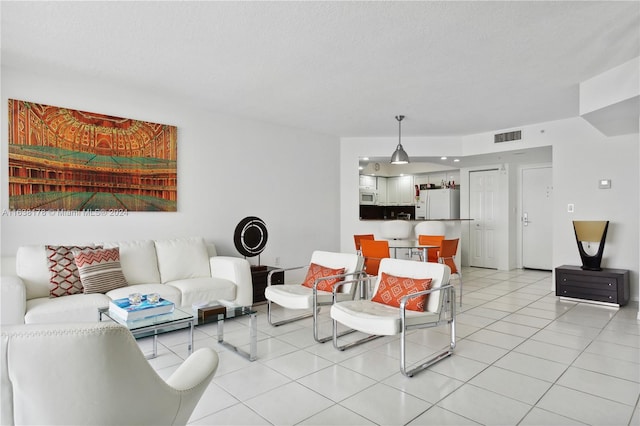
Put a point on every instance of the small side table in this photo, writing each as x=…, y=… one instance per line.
x=607, y=286
x=216, y=312
x=259, y=278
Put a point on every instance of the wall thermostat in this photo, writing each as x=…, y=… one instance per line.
x=604, y=183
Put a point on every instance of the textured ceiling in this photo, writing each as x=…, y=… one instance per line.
x=340, y=68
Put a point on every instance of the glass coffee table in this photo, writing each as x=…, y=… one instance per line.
x=218, y=312
x=155, y=325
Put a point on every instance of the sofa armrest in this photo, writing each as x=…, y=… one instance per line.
x=238, y=271
x=13, y=300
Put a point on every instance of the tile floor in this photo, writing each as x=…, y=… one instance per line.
x=523, y=358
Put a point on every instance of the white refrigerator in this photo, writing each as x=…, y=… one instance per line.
x=438, y=204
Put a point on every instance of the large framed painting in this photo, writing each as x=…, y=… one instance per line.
x=64, y=159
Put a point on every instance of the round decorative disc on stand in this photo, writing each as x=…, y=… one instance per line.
x=250, y=236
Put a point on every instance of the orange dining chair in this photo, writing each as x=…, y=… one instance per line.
x=448, y=250
x=430, y=240
x=358, y=238
x=373, y=252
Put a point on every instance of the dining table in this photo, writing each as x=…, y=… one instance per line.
x=411, y=244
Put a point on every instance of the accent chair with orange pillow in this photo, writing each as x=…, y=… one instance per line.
x=407, y=295
x=324, y=270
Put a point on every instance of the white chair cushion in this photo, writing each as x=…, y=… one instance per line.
x=73, y=308
x=375, y=318
x=182, y=258
x=293, y=296
x=138, y=261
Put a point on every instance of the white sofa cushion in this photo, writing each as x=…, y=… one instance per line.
x=204, y=290
x=182, y=258
x=32, y=267
x=165, y=291
x=138, y=261
x=76, y=307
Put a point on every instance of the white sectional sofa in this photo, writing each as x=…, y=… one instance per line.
x=184, y=271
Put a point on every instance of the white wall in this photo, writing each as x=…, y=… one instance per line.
x=228, y=168
x=581, y=156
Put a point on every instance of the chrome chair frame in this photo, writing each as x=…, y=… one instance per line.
x=316, y=305
x=447, y=306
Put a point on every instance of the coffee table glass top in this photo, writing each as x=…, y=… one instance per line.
x=176, y=316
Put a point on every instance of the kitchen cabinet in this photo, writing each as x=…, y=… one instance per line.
x=420, y=179
x=609, y=286
x=368, y=182
x=436, y=178
x=400, y=191
x=382, y=190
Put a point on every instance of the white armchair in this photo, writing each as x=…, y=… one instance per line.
x=298, y=297
x=380, y=319
x=93, y=374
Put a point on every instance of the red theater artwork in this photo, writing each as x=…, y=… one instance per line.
x=63, y=159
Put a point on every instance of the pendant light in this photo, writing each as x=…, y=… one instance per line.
x=399, y=156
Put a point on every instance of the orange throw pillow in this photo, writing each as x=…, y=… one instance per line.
x=319, y=271
x=392, y=289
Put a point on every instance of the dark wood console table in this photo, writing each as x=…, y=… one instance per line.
x=608, y=286
x=259, y=278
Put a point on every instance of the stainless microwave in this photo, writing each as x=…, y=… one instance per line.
x=368, y=198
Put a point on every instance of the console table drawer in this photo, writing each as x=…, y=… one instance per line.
x=591, y=294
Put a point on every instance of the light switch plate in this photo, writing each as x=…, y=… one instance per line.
x=570, y=208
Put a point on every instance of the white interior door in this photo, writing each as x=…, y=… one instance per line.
x=483, y=193
x=537, y=191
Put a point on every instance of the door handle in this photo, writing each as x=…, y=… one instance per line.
x=525, y=219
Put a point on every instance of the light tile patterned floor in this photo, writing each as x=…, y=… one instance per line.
x=523, y=358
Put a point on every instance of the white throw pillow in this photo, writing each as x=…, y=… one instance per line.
x=182, y=258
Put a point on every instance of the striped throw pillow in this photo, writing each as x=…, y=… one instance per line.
x=100, y=270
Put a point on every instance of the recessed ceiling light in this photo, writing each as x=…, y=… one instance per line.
x=365, y=158
x=443, y=158
x=456, y=160
x=360, y=168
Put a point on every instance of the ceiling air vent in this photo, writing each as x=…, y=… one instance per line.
x=507, y=137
